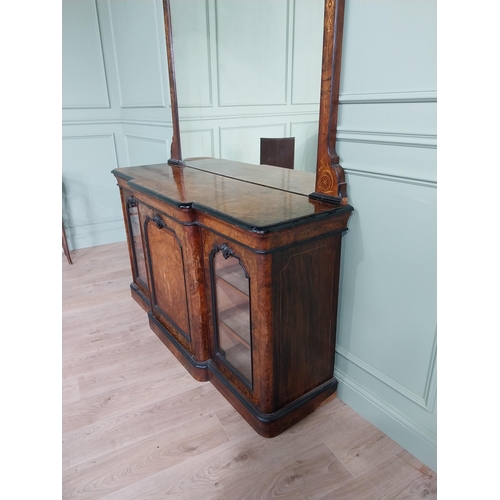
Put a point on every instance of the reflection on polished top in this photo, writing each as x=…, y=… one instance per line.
x=255, y=197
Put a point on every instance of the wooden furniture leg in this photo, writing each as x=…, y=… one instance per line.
x=65, y=245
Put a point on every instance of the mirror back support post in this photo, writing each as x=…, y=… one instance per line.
x=175, y=148
x=330, y=178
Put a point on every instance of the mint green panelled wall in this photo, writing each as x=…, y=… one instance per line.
x=386, y=345
x=247, y=70
x=115, y=108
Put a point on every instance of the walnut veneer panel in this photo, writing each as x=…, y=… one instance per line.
x=305, y=308
x=286, y=179
x=167, y=274
x=250, y=206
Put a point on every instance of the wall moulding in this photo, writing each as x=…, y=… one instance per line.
x=391, y=160
x=187, y=119
x=388, y=97
x=388, y=138
x=127, y=98
x=90, y=136
x=412, y=437
x=392, y=178
x=425, y=401
x=111, y=139
x=191, y=134
x=250, y=116
x=256, y=126
x=144, y=138
x=248, y=89
x=87, y=106
x=107, y=121
x=95, y=233
x=97, y=57
x=193, y=40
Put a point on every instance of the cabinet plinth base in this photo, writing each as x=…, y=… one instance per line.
x=272, y=424
x=198, y=369
x=139, y=297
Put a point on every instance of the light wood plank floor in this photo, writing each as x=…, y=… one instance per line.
x=136, y=425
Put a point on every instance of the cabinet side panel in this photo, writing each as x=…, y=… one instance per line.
x=167, y=272
x=305, y=310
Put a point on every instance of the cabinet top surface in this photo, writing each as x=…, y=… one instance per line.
x=256, y=197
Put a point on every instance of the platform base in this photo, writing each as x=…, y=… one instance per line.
x=139, y=297
x=272, y=424
x=198, y=369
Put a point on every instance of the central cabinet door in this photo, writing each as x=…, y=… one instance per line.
x=169, y=301
x=176, y=280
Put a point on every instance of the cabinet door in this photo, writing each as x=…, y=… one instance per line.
x=167, y=274
x=230, y=284
x=139, y=261
x=136, y=245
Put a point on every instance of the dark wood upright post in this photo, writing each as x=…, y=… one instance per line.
x=330, y=179
x=175, y=149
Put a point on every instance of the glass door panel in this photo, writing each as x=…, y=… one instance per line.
x=135, y=229
x=232, y=301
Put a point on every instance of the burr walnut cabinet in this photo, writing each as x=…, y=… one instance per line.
x=238, y=265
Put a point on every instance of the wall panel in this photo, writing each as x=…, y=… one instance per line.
x=306, y=144
x=252, y=64
x=377, y=154
x=82, y=62
x=396, y=117
x=143, y=150
x=389, y=46
x=307, y=50
x=389, y=279
x=91, y=210
x=386, y=344
x=139, y=58
x=192, y=47
x=198, y=143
